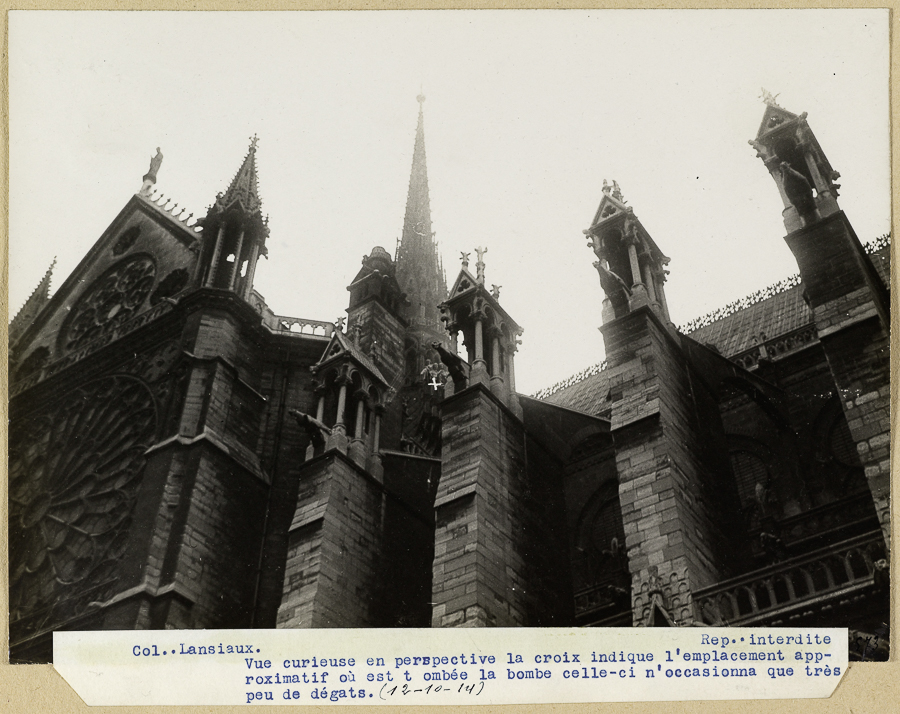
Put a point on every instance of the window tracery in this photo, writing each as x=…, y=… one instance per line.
x=113, y=298
x=170, y=285
x=74, y=472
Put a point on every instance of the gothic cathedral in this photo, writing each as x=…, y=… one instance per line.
x=183, y=457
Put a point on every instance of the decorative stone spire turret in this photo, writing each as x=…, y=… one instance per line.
x=419, y=270
x=631, y=266
x=234, y=232
x=244, y=189
x=797, y=164
x=491, y=337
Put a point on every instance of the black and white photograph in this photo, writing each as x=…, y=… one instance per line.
x=444, y=319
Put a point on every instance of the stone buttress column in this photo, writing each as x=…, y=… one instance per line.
x=236, y=266
x=339, y=432
x=479, y=366
x=497, y=381
x=357, y=444
x=217, y=251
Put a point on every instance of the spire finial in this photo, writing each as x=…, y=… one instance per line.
x=421, y=98
x=614, y=190
x=243, y=187
x=769, y=98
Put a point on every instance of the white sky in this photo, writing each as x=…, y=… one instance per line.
x=526, y=113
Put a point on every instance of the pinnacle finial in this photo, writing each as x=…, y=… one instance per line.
x=243, y=187
x=769, y=98
x=421, y=98
x=614, y=190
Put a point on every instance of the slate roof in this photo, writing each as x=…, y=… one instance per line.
x=779, y=314
x=588, y=395
x=774, y=311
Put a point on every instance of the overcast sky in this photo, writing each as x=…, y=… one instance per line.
x=526, y=113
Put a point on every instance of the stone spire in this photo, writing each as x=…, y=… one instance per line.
x=33, y=305
x=234, y=232
x=243, y=186
x=419, y=271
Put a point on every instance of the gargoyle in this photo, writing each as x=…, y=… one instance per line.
x=317, y=430
x=614, y=286
x=797, y=189
x=459, y=370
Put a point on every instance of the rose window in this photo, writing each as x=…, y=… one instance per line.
x=110, y=301
x=73, y=477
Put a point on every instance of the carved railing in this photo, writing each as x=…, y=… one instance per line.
x=609, y=594
x=788, y=283
x=793, y=586
x=569, y=381
x=774, y=348
x=738, y=305
x=878, y=243
x=299, y=326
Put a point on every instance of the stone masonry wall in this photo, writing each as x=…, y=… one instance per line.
x=849, y=307
x=499, y=525
x=287, y=383
x=218, y=542
x=668, y=478
x=381, y=336
x=332, y=576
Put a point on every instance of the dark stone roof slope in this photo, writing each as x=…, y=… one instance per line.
x=779, y=314
x=587, y=395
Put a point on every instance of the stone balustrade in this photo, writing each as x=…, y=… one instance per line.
x=299, y=326
x=781, y=592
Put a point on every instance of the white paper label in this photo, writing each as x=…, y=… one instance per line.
x=450, y=666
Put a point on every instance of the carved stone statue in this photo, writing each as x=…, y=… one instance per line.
x=760, y=494
x=480, y=264
x=155, y=163
x=465, y=259
x=495, y=291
